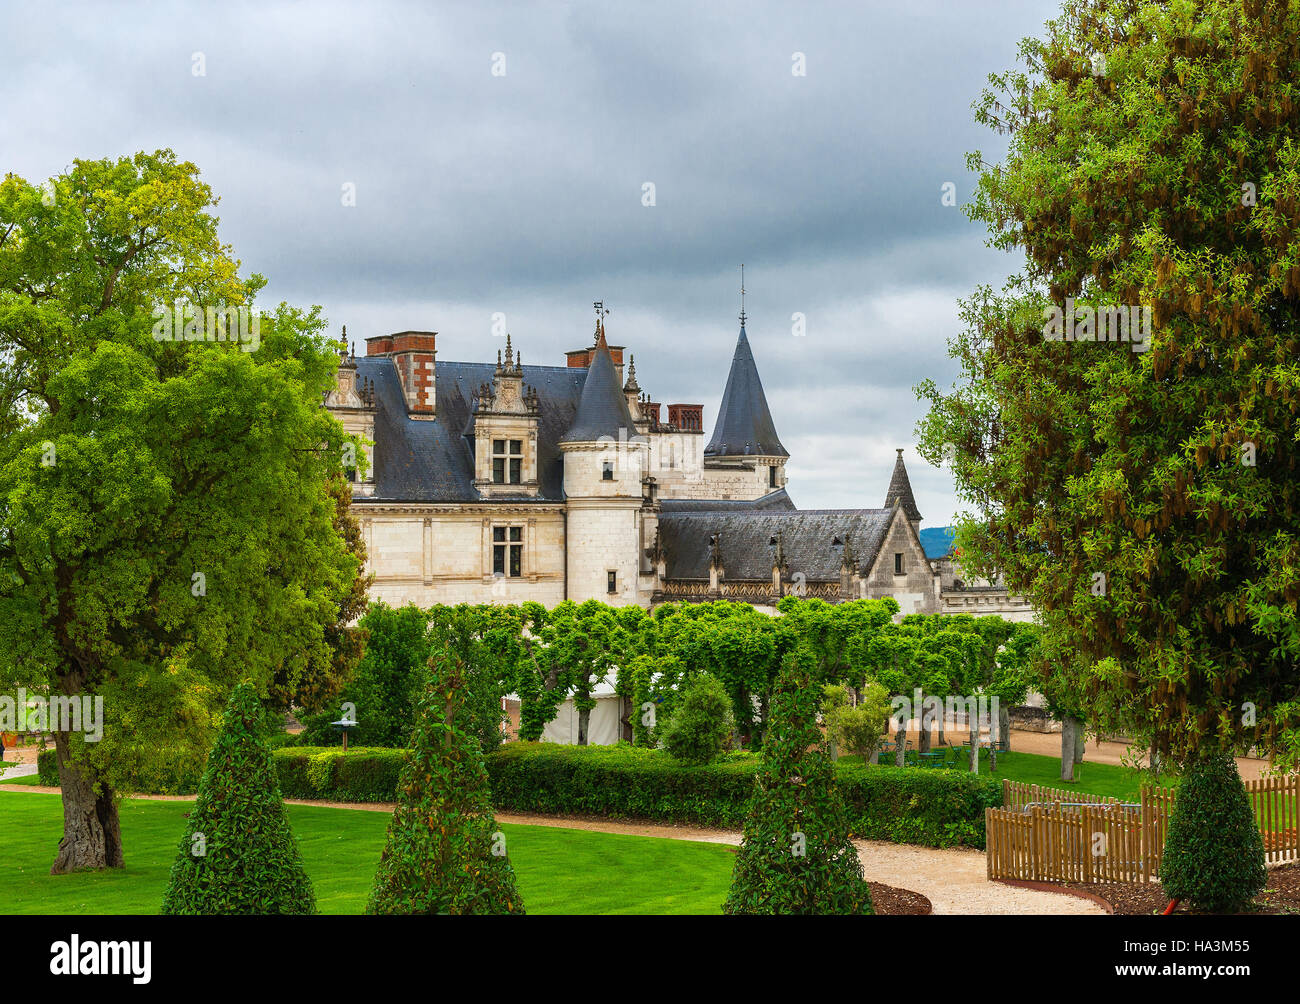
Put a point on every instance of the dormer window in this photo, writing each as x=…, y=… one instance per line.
x=507, y=461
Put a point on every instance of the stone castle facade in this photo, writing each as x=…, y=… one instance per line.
x=506, y=483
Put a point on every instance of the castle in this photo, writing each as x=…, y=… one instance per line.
x=507, y=483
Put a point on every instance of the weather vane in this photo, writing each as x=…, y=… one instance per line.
x=742, y=294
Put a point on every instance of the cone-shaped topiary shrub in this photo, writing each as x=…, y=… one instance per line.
x=1214, y=854
x=238, y=855
x=796, y=856
x=444, y=854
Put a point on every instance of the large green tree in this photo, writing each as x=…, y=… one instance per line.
x=1146, y=501
x=166, y=519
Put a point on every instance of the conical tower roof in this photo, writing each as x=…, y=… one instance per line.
x=901, y=488
x=602, y=409
x=744, y=426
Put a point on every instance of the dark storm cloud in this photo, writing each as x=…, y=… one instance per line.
x=522, y=193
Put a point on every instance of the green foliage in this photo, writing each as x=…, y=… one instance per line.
x=167, y=522
x=444, y=854
x=855, y=729
x=238, y=854
x=1214, y=854
x=1146, y=502
x=47, y=767
x=936, y=808
x=362, y=774
x=700, y=728
x=387, y=683
x=796, y=856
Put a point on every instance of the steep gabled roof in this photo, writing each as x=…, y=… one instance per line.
x=901, y=488
x=808, y=539
x=602, y=410
x=744, y=426
x=778, y=500
x=431, y=461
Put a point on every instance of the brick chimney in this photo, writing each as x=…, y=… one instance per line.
x=413, y=354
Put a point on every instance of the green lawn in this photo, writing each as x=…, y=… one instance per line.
x=559, y=870
x=1123, y=783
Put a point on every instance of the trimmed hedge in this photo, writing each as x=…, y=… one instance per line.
x=363, y=774
x=47, y=767
x=935, y=808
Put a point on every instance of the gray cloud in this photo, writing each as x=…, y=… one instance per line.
x=522, y=194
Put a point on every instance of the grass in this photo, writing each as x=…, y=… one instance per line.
x=558, y=870
x=30, y=780
x=1123, y=783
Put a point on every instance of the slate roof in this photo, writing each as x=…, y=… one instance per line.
x=772, y=500
x=433, y=461
x=603, y=409
x=747, y=553
x=901, y=487
x=744, y=426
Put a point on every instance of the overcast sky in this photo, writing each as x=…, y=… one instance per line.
x=522, y=192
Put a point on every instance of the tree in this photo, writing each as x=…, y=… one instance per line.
x=700, y=728
x=444, y=853
x=166, y=522
x=1147, y=502
x=1214, y=854
x=796, y=856
x=855, y=728
x=387, y=684
x=238, y=855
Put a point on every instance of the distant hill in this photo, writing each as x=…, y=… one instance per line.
x=937, y=540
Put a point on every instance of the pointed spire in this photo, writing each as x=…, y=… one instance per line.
x=602, y=409
x=631, y=387
x=900, y=488
x=745, y=426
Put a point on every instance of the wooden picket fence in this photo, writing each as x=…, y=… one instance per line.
x=1276, y=801
x=1046, y=834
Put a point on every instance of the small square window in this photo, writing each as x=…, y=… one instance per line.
x=771, y=476
x=611, y=579
x=607, y=471
x=898, y=564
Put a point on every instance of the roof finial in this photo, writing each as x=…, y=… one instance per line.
x=742, y=294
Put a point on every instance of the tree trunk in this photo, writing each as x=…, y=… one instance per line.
x=1155, y=764
x=995, y=737
x=1004, y=727
x=584, y=716
x=973, y=724
x=1080, y=739
x=1067, y=748
x=625, y=718
x=923, y=739
x=92, y=837
x=900, y=745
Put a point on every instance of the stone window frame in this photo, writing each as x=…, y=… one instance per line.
x=512, y=546
x=898, y=563
x=512, y=461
